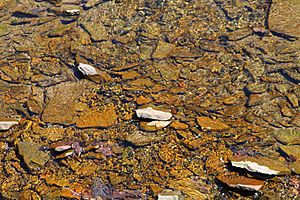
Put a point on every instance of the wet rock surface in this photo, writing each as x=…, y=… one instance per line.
x=77, y=79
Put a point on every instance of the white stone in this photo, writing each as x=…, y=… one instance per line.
x=159, y=124
x=150, y=113
x=87, y=70
x=5, y=125
x=73, y=11
x=254, y=167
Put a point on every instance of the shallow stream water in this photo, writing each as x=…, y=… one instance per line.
x=73, y=74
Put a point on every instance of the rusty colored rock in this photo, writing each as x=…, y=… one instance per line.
x=241, y=182
x=211, y=124
x=179, y=125
x=102, y=119
x=141, y=100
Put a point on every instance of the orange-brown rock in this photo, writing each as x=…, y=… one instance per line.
x=141, y=100
x=94, y=118
x=242, y=182
x=179, y=125
x=211, y=124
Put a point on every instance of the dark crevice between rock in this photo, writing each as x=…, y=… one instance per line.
x=267, y=9
x=219, y=5
x=19, y=14
x=288, y=77
x=284, y=36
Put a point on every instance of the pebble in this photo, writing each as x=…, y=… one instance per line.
x=87, y=70
x=6, y=123
x=150, y=113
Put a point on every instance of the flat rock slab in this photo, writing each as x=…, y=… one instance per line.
x=32, y=156
x=293, y=152
x=241, y=182
x=211, y=124
x=7, y=123
x=101, y=119
x=60, y=102
x=289, y=136
x=262, y=165
x=284, y=17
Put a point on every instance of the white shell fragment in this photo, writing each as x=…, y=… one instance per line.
x=73, y=12
x=87, y=70
x=7, y=124
x=150, y=113
x=159, y=124
x=254, y=167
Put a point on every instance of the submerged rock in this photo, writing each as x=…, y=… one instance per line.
x=211, y=124
x=163, y=50
x=32, y=156
x=102, y=119
x=87, y=70
x=288, y=136
x=262, y=165
x=284, y=17
x=154, y=125
x=241, y=182
x=94, y=74
x=293, y=152
x=6, y=123
x=295, y=167
x=60, y=103
x=150, y=113
x=140, y=138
